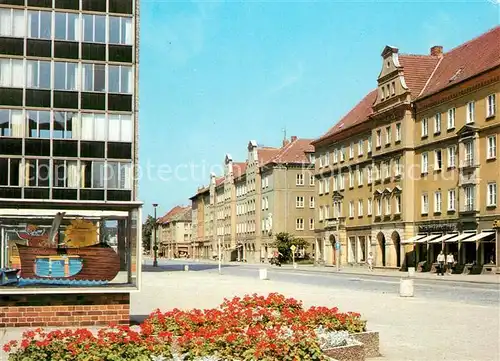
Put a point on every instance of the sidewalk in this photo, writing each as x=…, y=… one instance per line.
x=357, y=270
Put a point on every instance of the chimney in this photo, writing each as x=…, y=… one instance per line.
x=437, y=50
x=293, y=138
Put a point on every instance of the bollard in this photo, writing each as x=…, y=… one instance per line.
x=406, y=287
x=263, y=274
x=186, y=267
x=411, y=272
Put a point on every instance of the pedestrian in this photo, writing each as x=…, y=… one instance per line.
x=369, y=260
x=450, y=261
x=440, y=261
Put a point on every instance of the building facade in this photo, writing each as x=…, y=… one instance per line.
x=175, y=232
x=247, y=202
x=69, y=124
x=416, y=144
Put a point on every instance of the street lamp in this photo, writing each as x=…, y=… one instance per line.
x=155, y=247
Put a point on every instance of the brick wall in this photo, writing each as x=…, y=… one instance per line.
x=69, y=310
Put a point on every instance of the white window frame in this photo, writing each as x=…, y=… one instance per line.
x=68, y=18
x=311, y=180
x=452, y=199
x=335, y=156
x=16, y=73
x=369, y=144
x=438, y=158
x=360, y=147
x=311, y=224
x=378, y=203
x=320, y=187
x=398, y=132
x=451, y=118
x=342, y=154
x=351, y=150
x=123, y=71
x=299, y=179
x=299, y=202
x=425, y=163
x=470, y=112
x=388, y=135
x=386, y=165
x=452, y=159
x=388, y=208
x=369, y=175
x=299, y=224
x=93, y=25
x=425, y=127
x=326, y=162
x=369, y=207
x=351, y=209
x=124, y=24
x=312, y=202
x=491, y=105
x=425, y=203
x=342, y=181
x=379, y=138
x=351, y=179
x=397, y=166
x=360, y=208
x=437, y=123
x=38, y=35
x=15, y=28
x=35, y=84
x=491, y=194
x=360, y=177
x=67, y=77
x=491, y=143
x=321, y=213
x=437, y=202
x=398, y=203
x=327, y=185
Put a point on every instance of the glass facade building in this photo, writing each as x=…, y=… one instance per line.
x=68, y=122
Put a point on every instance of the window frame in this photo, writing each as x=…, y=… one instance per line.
x=491, y=105
x=491, y=194
x=491, y=149
x=451, y=118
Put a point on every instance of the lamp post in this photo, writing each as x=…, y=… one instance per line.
x=155, y=247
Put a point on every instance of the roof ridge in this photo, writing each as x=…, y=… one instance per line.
x=420, y=55
x=496, y=28
x=430, y=76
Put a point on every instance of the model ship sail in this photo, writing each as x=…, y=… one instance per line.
x=54, y=230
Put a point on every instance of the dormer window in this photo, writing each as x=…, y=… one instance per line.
x=393, y=88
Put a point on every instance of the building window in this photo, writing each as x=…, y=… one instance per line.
x=39, y=24
x=360, y=147
x=320, y=161
x=360, y=208
x=12, y=23
x=320, y=186
x=451, y=118
x=398, y=132
x=469, y=198
x=94, y=28
x=320, y=213
x=388, y=210
x=341, y=181
x=470, y=112
x=437, y=123
x=437, y=202
x=65, y=76
x=379, y=138
x=120, y=79
x=379, y=207
x=335, y=156
x=312, y=158
x=351, y=209
x=94, y=77
x=398, y=204
x=451, y=199
x=386, y=172
x=65, y=174
x=451, y=157
x=327, y=185
x=311, y=224
x=393, y=88
x=93, y=126
x=120, y=30
x=397, y=164
x=492, y=194
x=38, y=124
x=369, y=206
x=66, y=26
x=492, y=147
x=369, y=175
x=37, y=172
x=425, y=161
x=327, y=159
x=369, y=144
x=327, y=212
x=469, y=151
x=299, y=180
x=38, y=74
x=342, y=154
x=299, y=225
x=376, y=167
x=388, y=135
x=351, y=151
x=11, y=123
x=335, y=183
x=360, y=177
x=351, y=179
x=425, y=203
x=438, y=159
x=299, y=202
x=120, y=128
x=425, y=127
x=311, y=202
x=490, y=105
x=11, y=73
x=11, y=172
x=311, y=180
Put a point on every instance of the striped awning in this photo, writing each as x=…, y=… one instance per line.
x=413, y=239
x=428, y=238
x=460, y=237
x=443, y=238
x=480, y=236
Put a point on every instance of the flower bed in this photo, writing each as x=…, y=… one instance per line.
x=254, y=327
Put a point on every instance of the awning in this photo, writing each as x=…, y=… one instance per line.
x=428, y=238
x=479, y=236
x=460, y=237
x=413, y=239
x=444, y=238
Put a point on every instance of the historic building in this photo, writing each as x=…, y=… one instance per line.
x=246, y=204
x=414, y=145
x=175, y=232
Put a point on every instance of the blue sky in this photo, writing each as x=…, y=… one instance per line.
x=216, y=74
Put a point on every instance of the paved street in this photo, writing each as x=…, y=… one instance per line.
x=444, y=321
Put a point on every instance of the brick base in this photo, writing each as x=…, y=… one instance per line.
x=70, y=310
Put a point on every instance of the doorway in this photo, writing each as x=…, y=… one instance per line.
x=396, y=241
x=381, y=248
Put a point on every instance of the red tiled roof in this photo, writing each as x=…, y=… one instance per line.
x=467, y=60
x=294, y=152
x=356, y=115
x=169, y=214
x=265, y=154
x=417, y=69
x=239, y=168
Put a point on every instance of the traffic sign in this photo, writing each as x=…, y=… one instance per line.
x=293, y=248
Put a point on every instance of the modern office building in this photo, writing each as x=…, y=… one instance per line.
x=68, y=125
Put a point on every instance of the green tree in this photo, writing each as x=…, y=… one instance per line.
x=147, y=231
x=283, y=241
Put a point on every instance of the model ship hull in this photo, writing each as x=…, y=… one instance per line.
x=93, y=263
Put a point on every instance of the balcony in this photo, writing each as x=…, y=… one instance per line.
x=468, y=177
x=334, y=223
x=469, y=207
x=469, y=162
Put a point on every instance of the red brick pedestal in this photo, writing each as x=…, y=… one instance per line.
x=70, y=310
